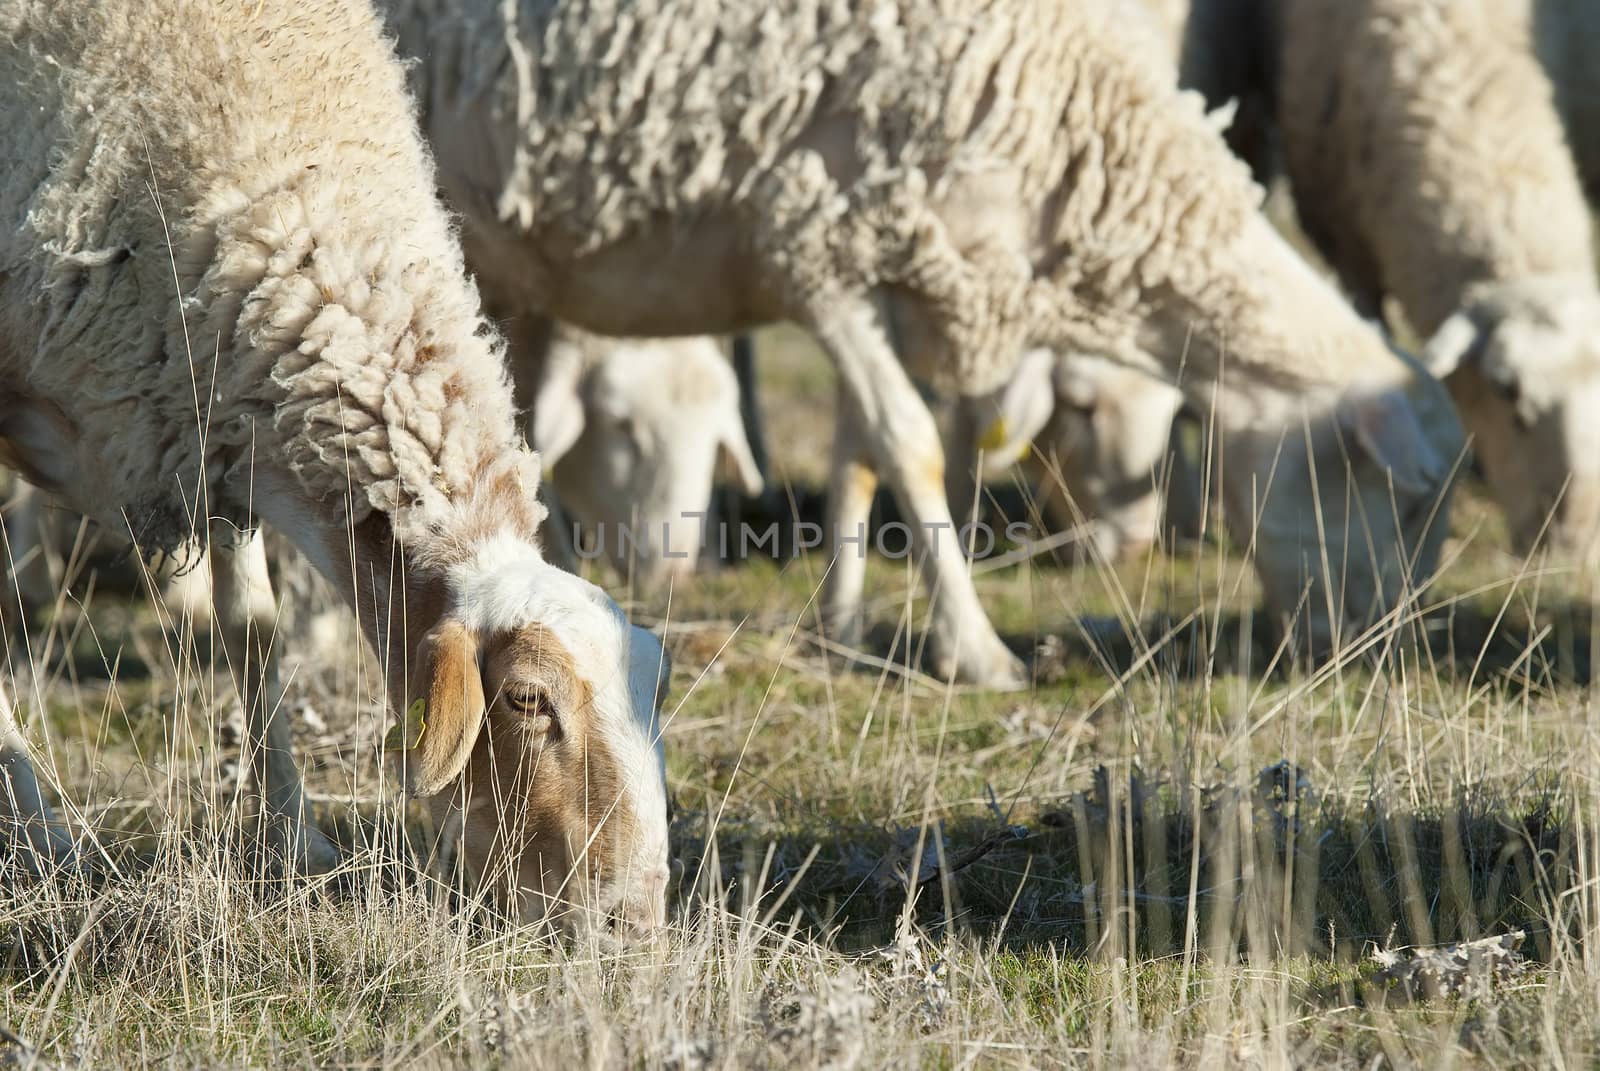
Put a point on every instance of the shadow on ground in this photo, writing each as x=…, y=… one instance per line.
x=1268, y=865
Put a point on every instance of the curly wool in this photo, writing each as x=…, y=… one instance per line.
x=222, y=246
x=577, y=126
x=1471, y=180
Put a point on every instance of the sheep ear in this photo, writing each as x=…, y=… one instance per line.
x=1458, y=340
x=558, y=418
x=1028, y=400
x=1019, y=411
x=453, y=709
x=1385, y=426
x=737, y=460
x=557, y=423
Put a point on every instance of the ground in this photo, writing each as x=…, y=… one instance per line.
x=1179, y=847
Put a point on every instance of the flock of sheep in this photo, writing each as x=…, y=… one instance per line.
x=231, y=291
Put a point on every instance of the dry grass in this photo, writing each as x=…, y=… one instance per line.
x=1177, y=849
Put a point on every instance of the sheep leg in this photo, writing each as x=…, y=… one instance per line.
x=961, y=478
x=905, y=450
x=34, y=569
x=29, y=830
x=852, y=483
x=744, y=370
x=246, y=614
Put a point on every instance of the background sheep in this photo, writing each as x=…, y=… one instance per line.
x=633, y=432
x=1429, y=163
x=180, y=172
x=978, y=184
x=1094, y=435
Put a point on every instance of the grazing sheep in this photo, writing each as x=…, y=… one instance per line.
x=1429, y=163
x=228, y=291
x=1096, y=436
x=632, y=432
x=696, y=166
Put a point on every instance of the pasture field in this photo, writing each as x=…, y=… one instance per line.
x=1180, y=848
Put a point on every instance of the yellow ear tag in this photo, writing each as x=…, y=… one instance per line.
x=995, y=437
x=406, y=735
x=1027, y=452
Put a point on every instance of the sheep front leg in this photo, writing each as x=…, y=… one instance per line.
x=246, y=612
x=29, y=831
x=905, y=450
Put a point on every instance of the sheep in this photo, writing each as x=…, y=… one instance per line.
x=228, y=291
x=695, y=166
x=1429, y=164
x=632, y=432
x=1098, y=434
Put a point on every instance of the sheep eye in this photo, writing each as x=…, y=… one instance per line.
x=530, y=702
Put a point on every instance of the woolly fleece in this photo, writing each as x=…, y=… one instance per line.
x=838, y=144
x=1441, y=162
x=219, y=242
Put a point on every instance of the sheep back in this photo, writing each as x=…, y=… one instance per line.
x=221, y=245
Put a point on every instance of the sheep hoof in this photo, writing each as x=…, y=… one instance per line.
x=983, y=661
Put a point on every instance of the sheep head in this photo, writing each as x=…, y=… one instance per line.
x=634, y=439
x=1105, y=445
x=1523, y=364
x=531, y=726
x=1347, y=504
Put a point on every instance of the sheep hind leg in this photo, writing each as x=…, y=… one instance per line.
x=246, y=613
x=905, y=449
x=29, y=831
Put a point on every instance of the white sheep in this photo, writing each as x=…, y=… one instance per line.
x=227, y=291
x=1094, y=433
x=1429, y=164
x=632, y=432
x=688, y=166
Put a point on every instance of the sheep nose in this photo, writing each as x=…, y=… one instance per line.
x=638, y=919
